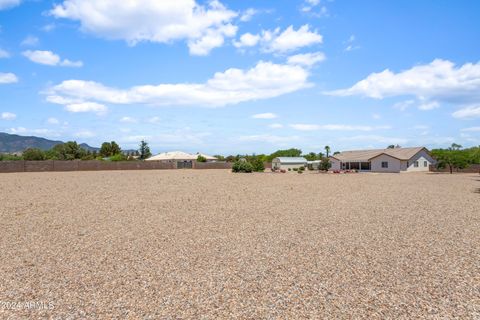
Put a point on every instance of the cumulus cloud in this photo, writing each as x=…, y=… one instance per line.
x=50, y=59
x=6, y=4
x=439, y=80
x=277, y=41
x=469, y=112
x=84, y=134
x=267, y=115
x=307, y=59
x=8, y=116
x=265, y=80
x=6, y=78
x=336, y=127
x=247, y=40
x=86, y=107
x=429, y=105
x=203, y=27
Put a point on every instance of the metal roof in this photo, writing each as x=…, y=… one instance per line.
x=291, y=159
x=367, y=155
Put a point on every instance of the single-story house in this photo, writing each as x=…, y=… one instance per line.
x=183, y=159
x=314, y=165
x=383, y=160
x=286, y=163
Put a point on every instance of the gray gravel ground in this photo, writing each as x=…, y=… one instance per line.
x=212, y=244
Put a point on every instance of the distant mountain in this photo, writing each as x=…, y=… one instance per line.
x=10, y=143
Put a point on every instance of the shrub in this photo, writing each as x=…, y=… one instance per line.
x=300, y=171
x=289, y=169
x=295, y=169
x=325, y=165
x=242, y=166
x=301, y=168
x=118, y=157
x=32, y=154
x=258, y=165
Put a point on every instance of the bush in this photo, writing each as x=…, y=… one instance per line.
x=258, y=165
x=300, y=171
x=32, y=154
x=118, y=157
x=242, y=166
x=295, y=169
x=325, y=165
x=301, y=168
x=289, y=169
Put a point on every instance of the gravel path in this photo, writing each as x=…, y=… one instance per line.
x=209, y=244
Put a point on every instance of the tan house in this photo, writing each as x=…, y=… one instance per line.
x=384, y=160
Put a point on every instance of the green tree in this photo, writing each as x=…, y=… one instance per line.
x=144, y=150
x=67, y=151
x=325, y=165
x=201, y=158
x=109, y=149
x=327, y=151
x=285, y=153
x=32, y=154
x=453, y=158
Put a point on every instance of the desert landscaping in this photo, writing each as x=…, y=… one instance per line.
x=206, y=244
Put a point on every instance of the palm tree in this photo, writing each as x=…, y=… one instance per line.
x=327, y=150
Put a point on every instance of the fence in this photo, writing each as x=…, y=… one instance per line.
x=474, y=168
x=96, y=165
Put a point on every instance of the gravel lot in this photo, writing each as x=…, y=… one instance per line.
x=209, y=244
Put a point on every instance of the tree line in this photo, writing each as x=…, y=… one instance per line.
x=71, y=150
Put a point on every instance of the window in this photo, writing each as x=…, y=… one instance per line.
x=415, y=164
x=425, y=163
x=384, y=164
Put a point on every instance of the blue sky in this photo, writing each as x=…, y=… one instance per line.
x=225, y=77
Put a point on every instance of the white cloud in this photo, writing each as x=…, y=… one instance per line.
x=53, y=121
x=336, y=127
x=403, y=105
x=84, y=134
x=128, y=120
x=439, y=80
x=204, y=27
x=49, y=58
x=247, y=40
x=30, y=41
x=8, y=78
x=429, y=105
x=267, y=115
x=6, y=4
x=86, y=107
x=8, y=116
x=269, y=139
x=281, y=42
x=4, y=54
x=307, y=59
x=469, y=112
x=276, y=126
x=248, y=14
x=376, y=116
x=43, y=132
x=265, y=80
x=471, y=129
